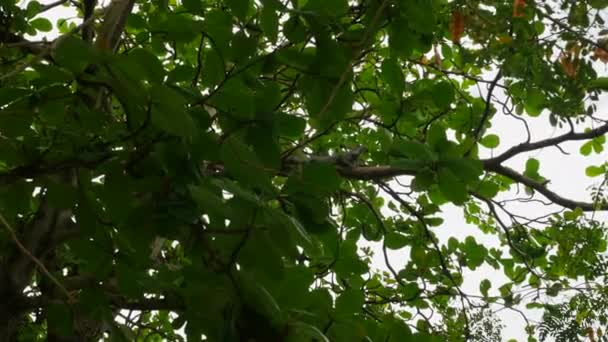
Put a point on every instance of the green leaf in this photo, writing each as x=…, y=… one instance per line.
x=586, y=148
x=349, y=302
x=394, y=240
x=322, y=107
x=436, y=137
x=334, y=8
x=290, y=126
x=244, y=165
x=210, y=202
x=213, y=72
x=73, y=53
x=297, y=231
x=316, y=178
x=41, y=24
x=169, y=112
x=452, y=187
x=490, y=141
x=194, y=6
x=260, y=300
x=402, y=40
x=595, y=171
x=150, y=64
x=600, y=83
x=300, y=332
x=393, y=76
x=295, y=30
x=269, y=21
x=532, y=166
x=487, y=189
x=32, y=9
x=467, y=170
x=534, y=102
x=484, y=286
x=236, y=99
x=398, y=331
x=443, y=94
x=413, y=150
x=474, y=252
x=239, y=8
x=59, y=318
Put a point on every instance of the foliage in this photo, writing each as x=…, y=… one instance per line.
x=216, y=170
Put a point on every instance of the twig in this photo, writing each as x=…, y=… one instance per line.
x=34, y=259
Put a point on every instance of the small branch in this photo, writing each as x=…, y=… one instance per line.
x=52, y=5
x=38, y=263
x=486, y=111
x=541, y=188
x=526, y=147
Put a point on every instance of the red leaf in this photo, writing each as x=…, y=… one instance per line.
x=518, y=8
x=457, y=25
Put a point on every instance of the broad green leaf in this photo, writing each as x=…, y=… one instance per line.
x=393, y=76
x=236, y=99
x=467, y=170
x=269, y=21
x=169, y=111
x=349, y=302
x=212, y=72
x=297, y=231
x=59, y=318
x=436, y=136
x=442, y=94
x=402, y=40
x=73, y=53
x=586, y=148
x=534, y=102
x=484, y=286
x=260, y=300
x=32, y=9
x=210, y=202
x=332, y=8
x=595, y=171
x=151, y=65
x=42, y=24
x=239, y=8
x=452, y=187
x=532, y=167
x=490, y=141
x=244, y=165
x=413, y=150
x=315, y=178
x=487, y=189
x=290, y=125
x=600, y=83
x=395, y=240
x=325, y=101
x=300, y=332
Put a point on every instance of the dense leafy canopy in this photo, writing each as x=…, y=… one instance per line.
x=218, y=170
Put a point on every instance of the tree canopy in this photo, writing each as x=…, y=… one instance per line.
x=221, y=170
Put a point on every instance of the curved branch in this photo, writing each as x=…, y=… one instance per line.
x=542, y=188
x=526, y=147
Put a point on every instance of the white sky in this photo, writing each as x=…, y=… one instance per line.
x=567, y=175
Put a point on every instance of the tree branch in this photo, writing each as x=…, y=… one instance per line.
x=527, y=146
x=541, y=188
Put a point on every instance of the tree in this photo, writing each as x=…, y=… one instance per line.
x=209, y=169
